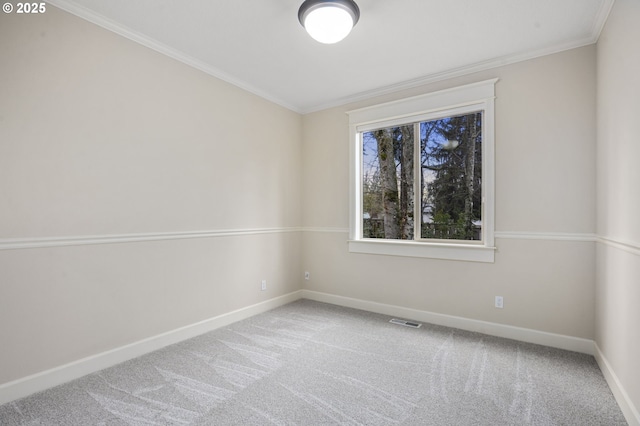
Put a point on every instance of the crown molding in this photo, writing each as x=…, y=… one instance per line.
x=592, y=38
x=153, y=44
x=163, y=49
x=601, y=19
x=453, y=73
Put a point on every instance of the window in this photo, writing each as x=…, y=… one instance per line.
x=422, y=176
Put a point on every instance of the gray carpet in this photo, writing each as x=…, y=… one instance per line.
x=309, y=363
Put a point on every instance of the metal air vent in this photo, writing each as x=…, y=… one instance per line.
x=405, y=323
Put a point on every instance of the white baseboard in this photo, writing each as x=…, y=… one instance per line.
x=56, y=376
x=630, y=411
x=500, y=330
x=44, y=380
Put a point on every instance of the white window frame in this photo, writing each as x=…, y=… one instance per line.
x=472, y=97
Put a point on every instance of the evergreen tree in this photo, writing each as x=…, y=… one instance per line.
x=452, y=157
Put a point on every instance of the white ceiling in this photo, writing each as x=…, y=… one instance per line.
x=260, y=46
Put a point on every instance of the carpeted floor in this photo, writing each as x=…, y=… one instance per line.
x=309, y=363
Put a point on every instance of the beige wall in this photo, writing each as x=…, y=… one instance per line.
x=545, y=189
x=618, y=171
x=100, y=136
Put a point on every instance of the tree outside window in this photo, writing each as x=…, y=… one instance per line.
x=445, y=201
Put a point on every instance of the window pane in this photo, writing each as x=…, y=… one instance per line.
x=451, y=168
x=388, y=183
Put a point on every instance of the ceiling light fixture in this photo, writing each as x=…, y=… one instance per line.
x=328, y=21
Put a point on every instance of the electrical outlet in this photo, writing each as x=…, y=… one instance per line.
x=499, y=302
x=264, y=285
x=307, y=276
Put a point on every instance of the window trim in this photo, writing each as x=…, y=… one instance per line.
x=481, y=96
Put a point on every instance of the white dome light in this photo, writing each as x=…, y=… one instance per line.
x=328, y=21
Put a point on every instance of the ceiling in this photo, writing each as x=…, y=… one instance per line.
x=260, y=46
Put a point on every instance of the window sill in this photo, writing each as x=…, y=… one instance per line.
x=464, y=252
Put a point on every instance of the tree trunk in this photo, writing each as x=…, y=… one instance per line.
x=389, y=182
x=469, y=166
x=406, y=184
